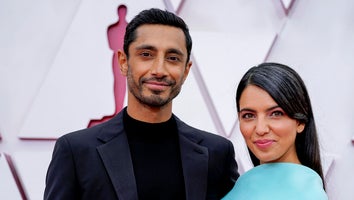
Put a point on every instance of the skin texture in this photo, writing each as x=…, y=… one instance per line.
x=268, y=131
x=156, y=69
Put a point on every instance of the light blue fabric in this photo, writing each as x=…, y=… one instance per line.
x=278, y=181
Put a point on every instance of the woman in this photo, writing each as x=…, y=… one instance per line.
x=277, y=123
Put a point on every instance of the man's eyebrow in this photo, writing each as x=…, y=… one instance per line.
x=176, y=51
x=150, y=47
x=145, y=46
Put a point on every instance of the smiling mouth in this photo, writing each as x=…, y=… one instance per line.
x=263, y=143
x=157, y=84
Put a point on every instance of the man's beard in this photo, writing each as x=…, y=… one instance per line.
x=155, y=99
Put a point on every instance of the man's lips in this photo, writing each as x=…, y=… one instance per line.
x=264, y=143
x=156, y=85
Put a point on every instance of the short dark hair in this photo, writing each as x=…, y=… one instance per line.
x=156, y=16
x=288, y=90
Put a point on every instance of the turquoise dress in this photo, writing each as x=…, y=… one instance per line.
x=278, y=181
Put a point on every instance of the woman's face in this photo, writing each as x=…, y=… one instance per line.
x=268, y=131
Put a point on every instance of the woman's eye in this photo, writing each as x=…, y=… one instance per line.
x=277, y=113
x=247, y=116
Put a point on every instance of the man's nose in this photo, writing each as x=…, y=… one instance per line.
x=158, y=67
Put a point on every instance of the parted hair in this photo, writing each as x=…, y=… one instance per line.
x=288, y=90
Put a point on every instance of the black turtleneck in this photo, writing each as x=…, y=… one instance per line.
x=156, y=158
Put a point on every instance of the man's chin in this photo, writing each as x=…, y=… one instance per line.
x=155, y=101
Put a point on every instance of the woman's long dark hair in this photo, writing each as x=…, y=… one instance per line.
x=288, y=90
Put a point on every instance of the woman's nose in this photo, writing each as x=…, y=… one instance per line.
x=262, y=127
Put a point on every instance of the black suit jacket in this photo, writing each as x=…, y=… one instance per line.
x=95, y=163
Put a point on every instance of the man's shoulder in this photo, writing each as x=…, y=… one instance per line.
x=103, y=130
x=191, y=131
x=84, y=132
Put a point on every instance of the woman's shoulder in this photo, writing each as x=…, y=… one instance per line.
x=279, y=181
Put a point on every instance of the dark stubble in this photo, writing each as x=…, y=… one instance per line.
x=155, y=99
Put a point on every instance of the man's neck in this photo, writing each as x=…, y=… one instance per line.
x=149, y=114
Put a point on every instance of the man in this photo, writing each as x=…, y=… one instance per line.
x=145, y=152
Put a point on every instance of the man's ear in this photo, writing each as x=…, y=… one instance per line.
x=123, y=62
x=186, y=71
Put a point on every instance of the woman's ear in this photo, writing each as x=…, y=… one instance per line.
x=123, y=62
x=300, y=127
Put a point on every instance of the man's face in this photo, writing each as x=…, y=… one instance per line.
x=157, y=64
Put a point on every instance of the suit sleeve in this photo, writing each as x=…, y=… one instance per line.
x=231, y=169
x=61, y=182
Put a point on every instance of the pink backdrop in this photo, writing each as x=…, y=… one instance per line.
x=58, y=74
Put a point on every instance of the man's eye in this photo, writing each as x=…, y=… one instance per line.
x=145, y=54
x=174, y=58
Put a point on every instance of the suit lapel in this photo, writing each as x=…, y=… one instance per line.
x=195, y=167
x=116, y=157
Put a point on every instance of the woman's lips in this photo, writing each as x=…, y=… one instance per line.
x=264, y=143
